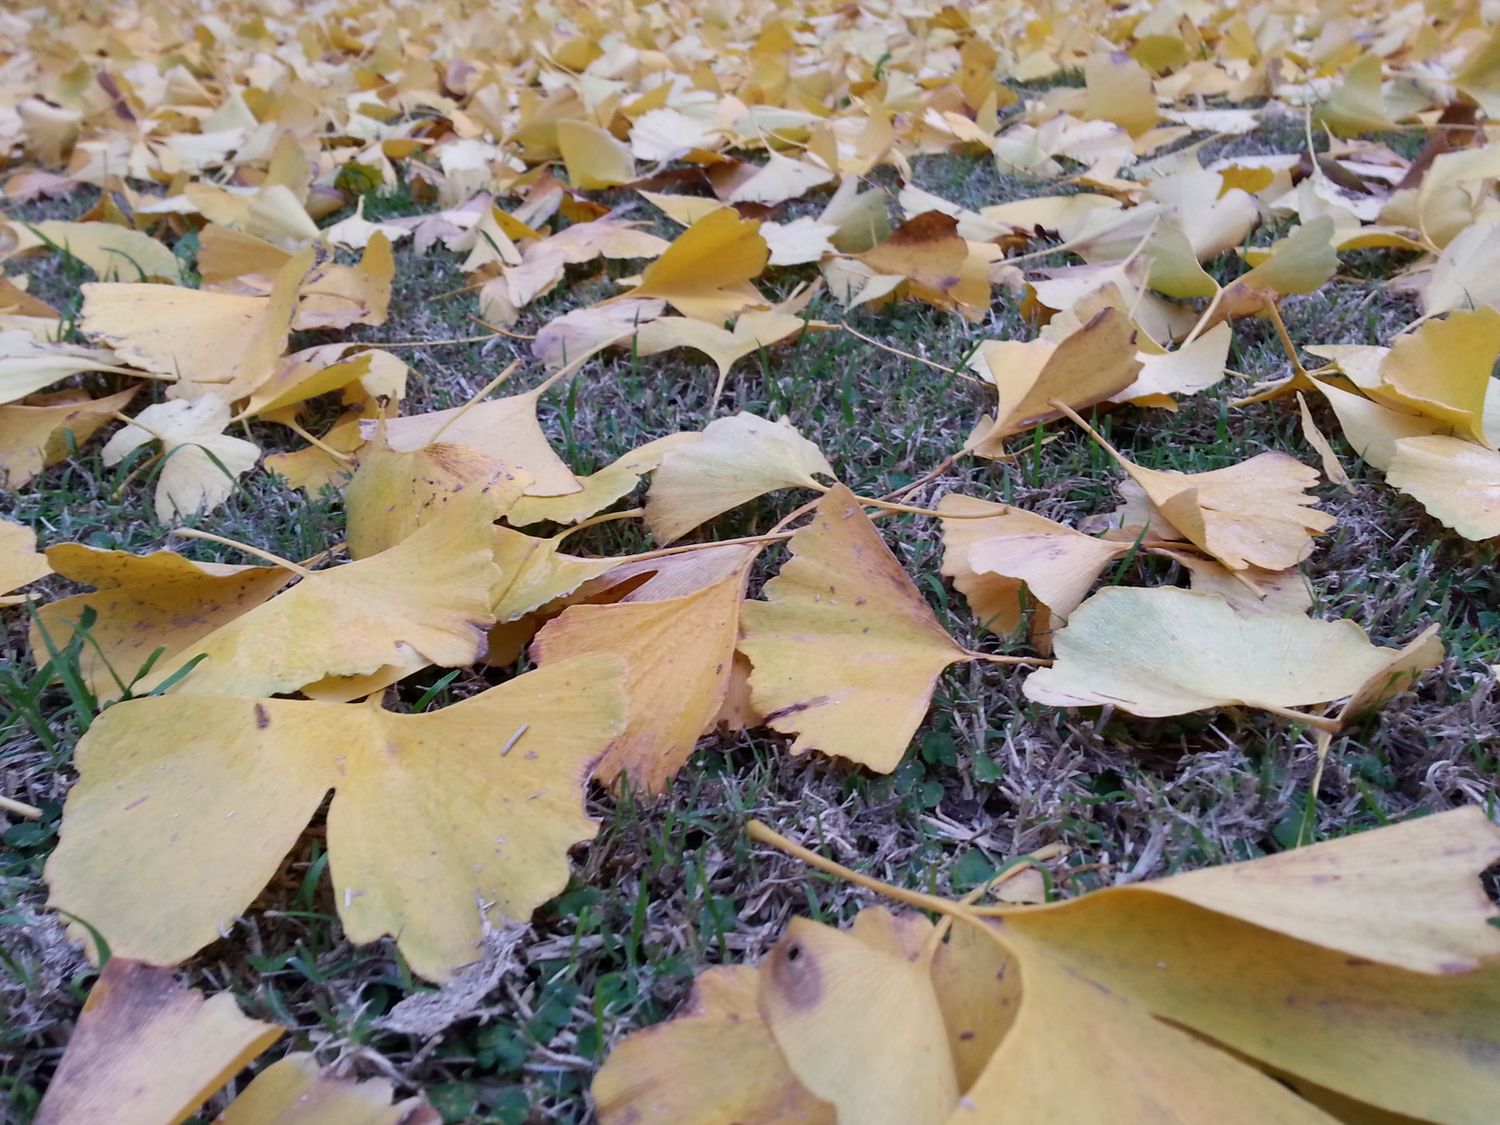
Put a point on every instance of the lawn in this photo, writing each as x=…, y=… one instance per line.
x=672, y=883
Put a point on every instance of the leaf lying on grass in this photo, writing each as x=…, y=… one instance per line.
x=1251, y=992
x=186, y=807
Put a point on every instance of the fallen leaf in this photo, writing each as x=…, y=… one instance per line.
x=27, y=366
x=707, y=271
x=34, y=437
x=146, y=1050
x=226, y=784
x=1165, y=651
x=20, y=562
x=1457, y=481
x=211, y=343
x=845, y=651
x=294, y=1090
x=735, y=460
x=1443, y=371
x=200, y=463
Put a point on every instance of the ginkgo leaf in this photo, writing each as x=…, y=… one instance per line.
x=20, y=562
x=1356, y=106
x=752, y=332
x=844, y=649
x=735, y=460
x=1443, y=371
x=334, y=295
x=200, y=463
x=319, y=370
x=1251, y=590
x=295, y=1090
x=706, y=272
x=593, y=157
x=937, y=265
x=1372, y=428
x=392, y=494
x=1322, y=959
x=779, y=179
x=1165, y=651
x=677, y=651
x=142, y=604
x=1254, y=513
x=34, y=437
x=1300, y=263
x=1118, y=89
x=215, y=343
x=430, y=593
x=1249, y=992
x=599, y=489
x=584, y=331
x=658, y=1074
x=1194, y=367
x=114, y=253
x=147, y=1050
x=27, y=366
x=1089, y=366
x=225, y=785
x=505, y=428
x=991, y=559
x=859, y=1026
x=534, y=572
x=1458, y=482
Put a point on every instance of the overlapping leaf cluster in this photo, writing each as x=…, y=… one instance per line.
x=244, y=694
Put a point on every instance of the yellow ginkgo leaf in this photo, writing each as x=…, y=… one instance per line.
x=845, y=652
x=295, y=1090
x=707, y=271
x=991, y=559
x=779, y=179
x=1356, y=105
x=1119, y=89
x=504, y=428
x=752, y=331
x=599, y=489
x=936, y=264
x=187, y=805
x=1089, y=366
x=1300, y=263
x=1254, y=513
x=859, y=1026
x=593, y=157
x=147, y=1050
x=534, y=572
x=113, y=252
x=678, y=653
x=20, y=562
x=335, y=295
x=1372, y=428
x=1458, y=482
x=200, y=461
x=1443, y=371
x=211, y=343
x=27, y=366
x=34, y=437
x=392, y=494
x=667, y=1072
x=142, y=604
x=735, y=460
x=429, y=594
x=1165, y=651
x=318, y=370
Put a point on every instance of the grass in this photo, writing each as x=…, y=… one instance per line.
x=673, y=885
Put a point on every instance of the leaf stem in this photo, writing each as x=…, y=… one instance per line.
x=275, y=560
x=20, y=808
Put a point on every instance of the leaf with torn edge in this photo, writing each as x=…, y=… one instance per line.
x=678, y=651
x=187, y=805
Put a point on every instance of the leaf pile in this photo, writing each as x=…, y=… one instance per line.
x=214, y=319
